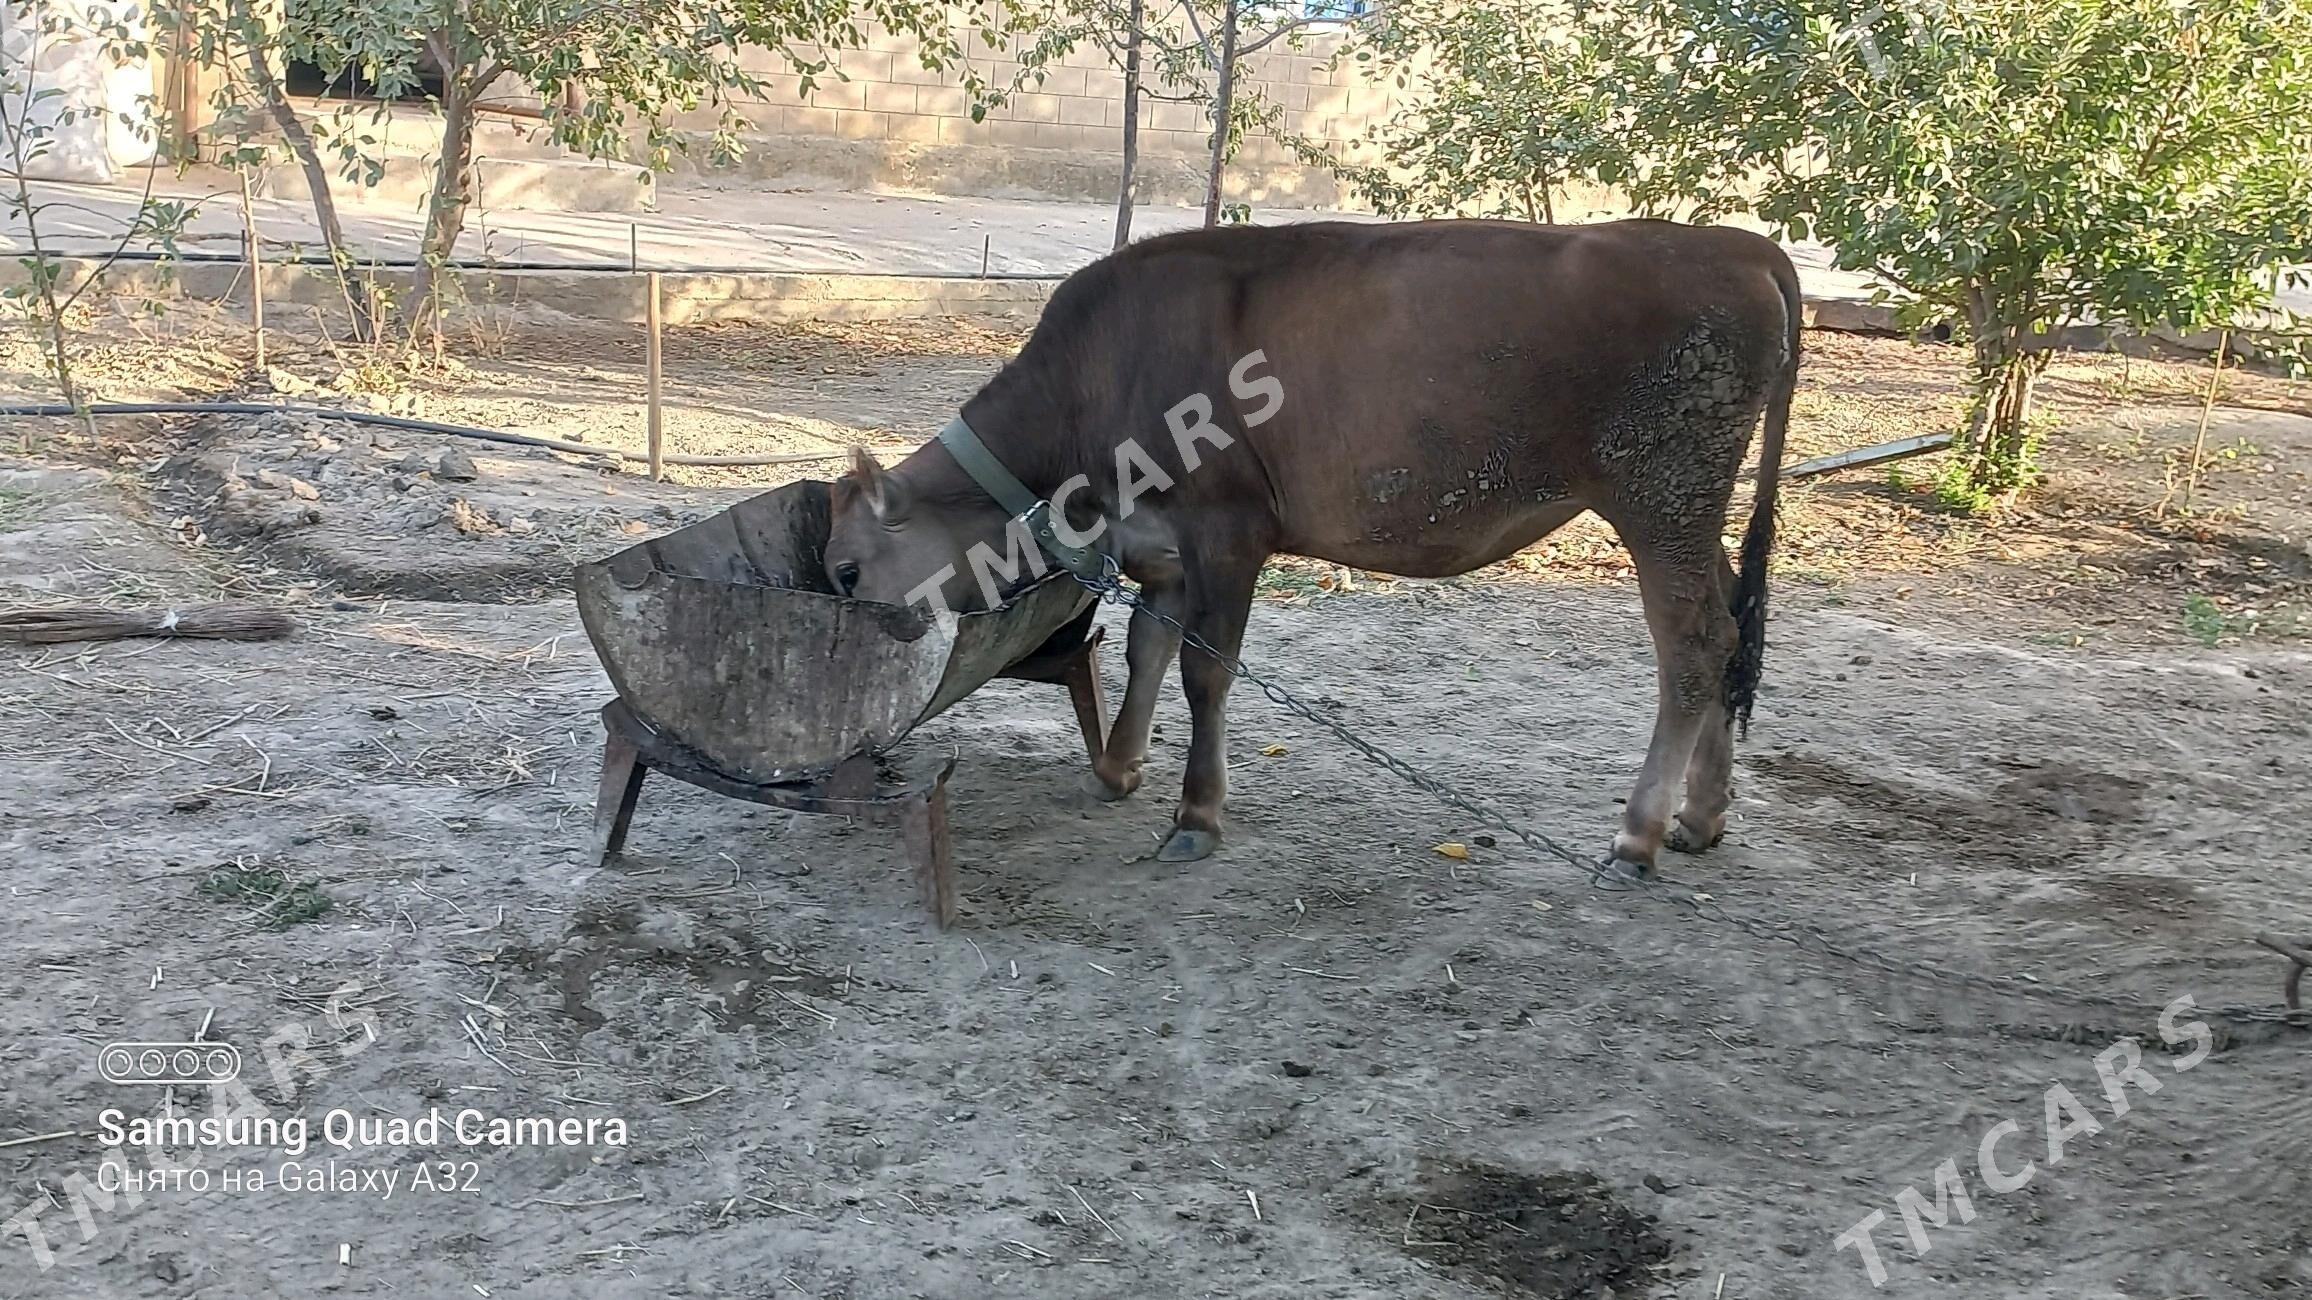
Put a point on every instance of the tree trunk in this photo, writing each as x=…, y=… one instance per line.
x=1538, y=206
x=300, y=141
x=453, y=190
x=2000, y=443
x=1223, y=106
x=1125, y=193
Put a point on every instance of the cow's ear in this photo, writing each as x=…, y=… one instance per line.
x=881, y=489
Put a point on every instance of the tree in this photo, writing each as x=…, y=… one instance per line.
x=1155, y=60
x=252, y=107
x=40, y=118
x=1182, y=51
x=1229, y=31
x=607, y=71
x=2022, y=166
x=2010, y=166
x=1499, y=109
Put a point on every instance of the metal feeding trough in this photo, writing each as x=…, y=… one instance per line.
x=741, y=671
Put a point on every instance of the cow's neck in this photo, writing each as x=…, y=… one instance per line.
x=1022, y=422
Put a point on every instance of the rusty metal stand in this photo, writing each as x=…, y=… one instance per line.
x=631, y=750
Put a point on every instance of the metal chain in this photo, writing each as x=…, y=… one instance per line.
x=1109, y=587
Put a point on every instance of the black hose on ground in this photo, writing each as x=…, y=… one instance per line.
x=413, y=425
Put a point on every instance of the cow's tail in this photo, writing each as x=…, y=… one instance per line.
x=1742, y=671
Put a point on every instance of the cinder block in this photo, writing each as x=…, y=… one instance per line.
x=1179, y=144
x=809, y=121
x=1048, y=136
x=908, y=69
x=1260, y=150
x=942, y=101
x=1035, y=106
x=1168, y=116
x=1080, y=110
x=912, y=128
x=1103, y=83
x=1007, y=134
x=890, y=97
x=862, y=125
x=962, y=130
x=839, y=95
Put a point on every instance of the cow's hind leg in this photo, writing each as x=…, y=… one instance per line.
x=1701, y=820
x=1220, y=602
x=1693, y=633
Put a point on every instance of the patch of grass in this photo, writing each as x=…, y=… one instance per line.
x=19, y=507
x=1292, y=578
x=2209, y=622
x=279, y=901
x=2204, y=620
x=1954, y=493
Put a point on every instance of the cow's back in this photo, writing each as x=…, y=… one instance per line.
x=1452, y=389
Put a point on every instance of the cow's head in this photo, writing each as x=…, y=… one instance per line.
x=889, y=538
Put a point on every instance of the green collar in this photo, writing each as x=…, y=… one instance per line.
x=994, y=479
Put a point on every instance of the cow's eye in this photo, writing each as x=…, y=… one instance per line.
x=847, y=577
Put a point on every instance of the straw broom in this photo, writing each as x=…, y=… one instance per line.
x=220, y=622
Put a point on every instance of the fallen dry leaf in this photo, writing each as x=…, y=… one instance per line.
x=1273, y=751
x=466, y=518
x=1452, y=849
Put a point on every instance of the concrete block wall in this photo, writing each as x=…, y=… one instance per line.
x=895, y=125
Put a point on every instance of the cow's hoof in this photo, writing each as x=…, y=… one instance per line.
x=1187, y=845
x=1684, y=839
x=1099, y=787
x=1621, y=875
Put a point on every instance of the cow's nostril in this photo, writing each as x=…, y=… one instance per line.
x=847, y=578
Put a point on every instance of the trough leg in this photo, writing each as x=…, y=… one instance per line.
x=1085, y=692
x=622, y=773
x=923, y=820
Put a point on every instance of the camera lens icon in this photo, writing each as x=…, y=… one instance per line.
x=168, y=1063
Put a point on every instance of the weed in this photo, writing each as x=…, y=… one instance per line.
x=19, y=507
x=280, y=902
x=2209, y=622
x=1957, y=493
x=1302, y=580
x=2204, y=620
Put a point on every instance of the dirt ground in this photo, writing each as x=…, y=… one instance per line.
x=2068, y=744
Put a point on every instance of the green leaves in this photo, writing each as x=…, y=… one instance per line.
x=2012, y=166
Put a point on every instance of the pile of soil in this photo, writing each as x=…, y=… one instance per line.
x=419, y=516
x=1558, y=1236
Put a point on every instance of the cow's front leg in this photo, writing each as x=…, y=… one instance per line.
x=1147, y=653
x=1219, y=605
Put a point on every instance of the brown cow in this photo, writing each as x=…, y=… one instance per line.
x=1451, y=392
